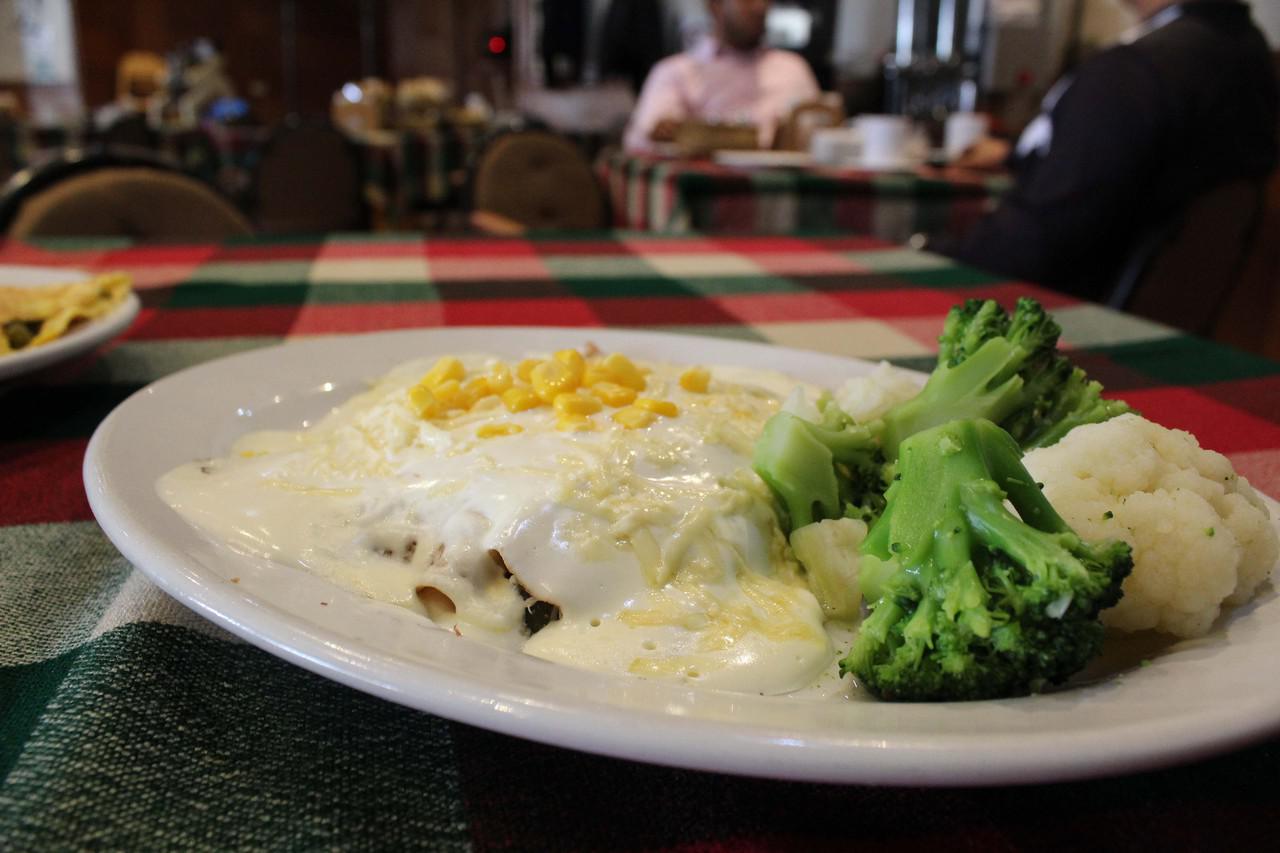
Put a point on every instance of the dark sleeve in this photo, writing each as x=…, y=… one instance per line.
x=1073, y=211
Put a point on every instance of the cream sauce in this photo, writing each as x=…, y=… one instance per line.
x=659, y=545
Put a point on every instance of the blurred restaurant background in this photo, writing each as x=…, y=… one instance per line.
x=503, y=116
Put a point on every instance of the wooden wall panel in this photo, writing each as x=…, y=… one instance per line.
x=328, y=48
x=446, y=39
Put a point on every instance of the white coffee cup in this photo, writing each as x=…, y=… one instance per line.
x=962, y=130
x=835, y=146
x=884, y=140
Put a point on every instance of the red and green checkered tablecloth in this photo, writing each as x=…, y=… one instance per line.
x=684, y=196
x=129, y=723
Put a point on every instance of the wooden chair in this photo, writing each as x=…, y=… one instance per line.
x=1250, y=316
x=1187, y=275
x=535, y=180
x=10, y=145
x=130, y=130
x=116, y=195
x=796, y=132
x=310, y=180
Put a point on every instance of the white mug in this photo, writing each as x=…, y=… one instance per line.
x=835, y=146
x=884, y=140
x=962, y=130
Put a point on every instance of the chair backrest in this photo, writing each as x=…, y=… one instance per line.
x=1250, y=317
x=796, y=132
x=131, y=130
x=1186, y=274
x=10, y=146
x=116, y=197
x=196, y=153
x=309, y=181
x=540, y=181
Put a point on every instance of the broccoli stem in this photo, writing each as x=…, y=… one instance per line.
x=984, y=385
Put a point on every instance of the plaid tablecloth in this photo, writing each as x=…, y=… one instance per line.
x=129, y=723
x=684, y=196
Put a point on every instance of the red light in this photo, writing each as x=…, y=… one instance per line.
x=497, y=45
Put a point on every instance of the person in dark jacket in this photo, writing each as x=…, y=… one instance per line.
x=1126, y=142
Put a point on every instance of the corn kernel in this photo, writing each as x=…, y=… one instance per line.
x=695, y=379
x=574, y=403
x=517, y=399
x=524, y=370
x=499, y=377
x=478, y=387
x=573, y=360
x=632, y=417
x=594, y=374
x=452, y=395
x=620, y=369
x=551, y=378
x=574, y=423
x=445, y=369
x=424, y=402
x=494, y=430
x=612, y=394
x=666, y=408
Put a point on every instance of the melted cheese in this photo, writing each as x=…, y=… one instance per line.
x=659, y=545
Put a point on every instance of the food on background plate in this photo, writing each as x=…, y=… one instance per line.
x=34, y=316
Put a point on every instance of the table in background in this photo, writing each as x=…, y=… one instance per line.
x=422, y=170
x=225, y=156
x=130, y=723
x=406, y=172
x=685, y=196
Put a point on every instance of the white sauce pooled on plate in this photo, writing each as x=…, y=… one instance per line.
x=658, y=545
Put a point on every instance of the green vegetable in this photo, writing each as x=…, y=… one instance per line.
x=828, y=470
x=1006, y=370
x=968, y=600
x=990, y=365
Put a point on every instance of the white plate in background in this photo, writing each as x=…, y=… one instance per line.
x=748, y=159
x=81, y=339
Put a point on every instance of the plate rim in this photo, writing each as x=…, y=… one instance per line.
x=740, y=749
x=79, y=340
x=758, y=159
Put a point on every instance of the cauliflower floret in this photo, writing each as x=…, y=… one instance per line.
x=865, y=398
x=1201, y=536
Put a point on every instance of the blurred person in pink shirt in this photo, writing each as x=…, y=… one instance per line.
x=728, y=77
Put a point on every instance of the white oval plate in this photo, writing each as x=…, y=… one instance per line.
x=80, y=339
x=1194, y=698
x=749, y=159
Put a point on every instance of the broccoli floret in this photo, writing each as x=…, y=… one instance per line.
x=968, y=600
x=1005, y=369
x=821, y=471
x=1001, y=368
